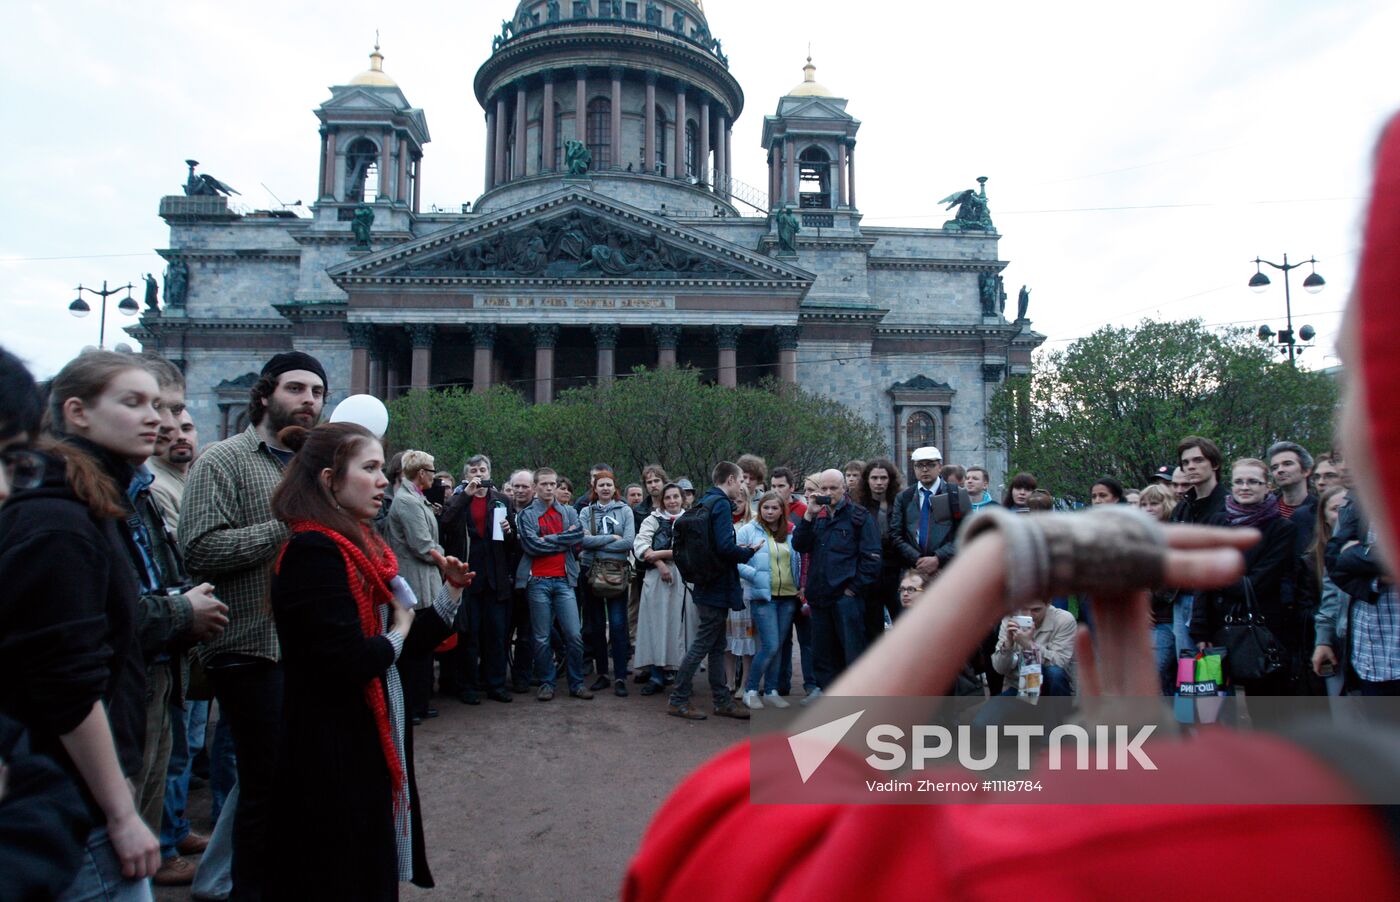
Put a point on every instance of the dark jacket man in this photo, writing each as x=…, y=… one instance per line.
x=492, y=561
x=943, y=522
x=724, y=592
x=845, y=553
x=1201, y=511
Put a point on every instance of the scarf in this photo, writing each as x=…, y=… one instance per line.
x=369, y=586
x=1255, y=514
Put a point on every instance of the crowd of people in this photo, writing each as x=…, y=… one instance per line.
x=321, y=594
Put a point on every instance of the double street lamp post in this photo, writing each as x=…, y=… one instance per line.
x=80, y=307
x=1313, y=284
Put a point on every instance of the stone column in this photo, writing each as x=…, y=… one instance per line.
x=668, y=339
x=361, y=337
x=392, y=382
x=704, y=174
x=580, y=101
x=545, y=335
x=787, y=353
x=518, y=170
x=615, y=126
x=325, y=164
x=841, y=173
x=722, y=156
x=386, y=179
x=727, y=337
x=547, y=162
x=726, y=128
x=790, y=172
x=851, y=177
x=490, y=147
x=401, y=195
x=500, y=156
x=679, y=165
x=376, y=365
x=649, y=128
x=605, y=337
x=421, y=335
x=774, y=155
x=331, y=167
x=417, y=181
x=483, y=343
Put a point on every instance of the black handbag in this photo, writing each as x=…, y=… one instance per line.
x=1252, y=651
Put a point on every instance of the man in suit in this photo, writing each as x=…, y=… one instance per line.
x=925, y=519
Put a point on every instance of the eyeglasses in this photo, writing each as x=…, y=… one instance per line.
x=910, y=589
x=24, y=469
x=1247, y=483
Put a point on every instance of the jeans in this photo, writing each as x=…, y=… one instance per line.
x=803, y=627
x=552, y=597
x=838, y=637
x=468, y=625
x=223, y=766
x=214, y=879
x=100, y=875
x=709, y=643
x=605, y=625
x=1164, y=652
x=174, y=826
x=1181, y=622
x=249, y=691
x=1054, y=680
x=771, y=619
x=495, y=642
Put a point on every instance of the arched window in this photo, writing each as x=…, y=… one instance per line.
x=361, y=170
x=919, y=430
x=599, y=132
x=814, y=179
x=692, y=150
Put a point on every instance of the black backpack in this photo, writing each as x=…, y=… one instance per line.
x=693, y=546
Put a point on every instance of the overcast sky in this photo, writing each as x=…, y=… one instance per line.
x=1139, y=155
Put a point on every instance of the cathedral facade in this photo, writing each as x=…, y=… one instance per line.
x=609, y=235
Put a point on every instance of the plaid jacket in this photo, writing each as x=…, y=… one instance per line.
x=230, y=539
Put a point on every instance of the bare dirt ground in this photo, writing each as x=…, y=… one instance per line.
x=546, y=801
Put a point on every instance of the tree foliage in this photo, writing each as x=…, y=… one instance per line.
x=1116, y=402
x=651, y=416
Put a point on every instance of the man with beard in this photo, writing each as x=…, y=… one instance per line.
x=231, y=538
x=171, y=465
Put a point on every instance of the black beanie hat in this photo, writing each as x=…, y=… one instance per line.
x=295, y=360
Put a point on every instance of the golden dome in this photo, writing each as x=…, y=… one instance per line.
x=374, y=75
x=809, y=86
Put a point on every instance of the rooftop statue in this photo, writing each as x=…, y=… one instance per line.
x=152, y=303
x=1023, y=300
x=177, y=280
x=973, y=214
x=788, y=228
x=577, y=158
x=204, y=185
x=360, y=225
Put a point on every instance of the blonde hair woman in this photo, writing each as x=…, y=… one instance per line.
x=411, y=530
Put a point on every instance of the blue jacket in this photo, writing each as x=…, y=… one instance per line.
x=725, y=591
x=527, y=524
x=757, y=574
x=845, y=550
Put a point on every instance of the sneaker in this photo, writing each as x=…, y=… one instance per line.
x=174, y=872
x=651, y=687
x=684, y=711
x=192, y=844
x=581, y=692
x=546, y=693
x=601, y=683
x=751, y=700
x=771, y=697
x=812, y=696
x=732, y=710
x=620, y=688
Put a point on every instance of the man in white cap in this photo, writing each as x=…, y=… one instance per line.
x=925, y=518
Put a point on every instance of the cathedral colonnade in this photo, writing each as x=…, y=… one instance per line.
x=388, y=360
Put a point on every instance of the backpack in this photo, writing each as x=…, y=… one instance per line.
x=694, y=546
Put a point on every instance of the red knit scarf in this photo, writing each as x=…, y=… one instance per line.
x=369, y=586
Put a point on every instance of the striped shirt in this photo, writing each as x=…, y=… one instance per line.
x=230, y=539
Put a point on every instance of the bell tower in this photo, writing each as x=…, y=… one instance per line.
x=811, y=143
x=371, y=143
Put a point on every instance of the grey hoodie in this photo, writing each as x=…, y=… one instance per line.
x=601, y=524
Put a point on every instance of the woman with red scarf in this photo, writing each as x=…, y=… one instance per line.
x=1068, y=851
x=347, y=823
x=1251, y=505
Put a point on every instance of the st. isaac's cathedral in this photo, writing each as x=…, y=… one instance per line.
x=609, y=235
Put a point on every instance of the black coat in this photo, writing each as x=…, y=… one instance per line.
x=68, y=624
x=333, y=809
x=944, y=521
x=43, y=822
x=1265, y=566
x=492, y=561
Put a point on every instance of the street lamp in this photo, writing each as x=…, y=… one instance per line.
x=80, y=308
x=1313, y=284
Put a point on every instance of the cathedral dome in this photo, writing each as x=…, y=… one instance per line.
x=809, y=86
x=374, y=76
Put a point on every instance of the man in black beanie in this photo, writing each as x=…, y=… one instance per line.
x=230, y=539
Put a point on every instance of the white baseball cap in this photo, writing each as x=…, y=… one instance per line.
x=927, y=452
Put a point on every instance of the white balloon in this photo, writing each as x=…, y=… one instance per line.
x=364, y=410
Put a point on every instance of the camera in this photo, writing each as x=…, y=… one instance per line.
x=486, y=484
x=821, y=499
